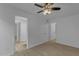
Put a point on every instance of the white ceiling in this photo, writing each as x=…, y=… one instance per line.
x=67, y=9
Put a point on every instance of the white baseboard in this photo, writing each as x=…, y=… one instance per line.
x=75, y=46
x=36, y=44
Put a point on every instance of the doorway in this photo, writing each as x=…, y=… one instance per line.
x=53, y=31
x=21, y=33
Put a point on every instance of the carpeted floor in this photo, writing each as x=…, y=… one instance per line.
x=49, y=49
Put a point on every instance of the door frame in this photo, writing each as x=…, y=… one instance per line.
x=19, y=19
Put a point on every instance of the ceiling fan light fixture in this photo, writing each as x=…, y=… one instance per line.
x=47, y=12
x=47, y=8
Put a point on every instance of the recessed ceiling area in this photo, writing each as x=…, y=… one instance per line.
x=67, y=9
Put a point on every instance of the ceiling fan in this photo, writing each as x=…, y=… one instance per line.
x=47, y=8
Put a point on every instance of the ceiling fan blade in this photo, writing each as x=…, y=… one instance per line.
x=40, y=11
x=51, y=3
x=45, y=3
x=38, y=5
x=56, y=8
x=48, y=3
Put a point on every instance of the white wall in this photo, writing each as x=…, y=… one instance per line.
x=67, y=31
x=38, y=32
x=6, y=38
x=6, y=31
x=8, y=28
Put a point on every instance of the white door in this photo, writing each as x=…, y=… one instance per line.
x=23, y=31
x=52, y=33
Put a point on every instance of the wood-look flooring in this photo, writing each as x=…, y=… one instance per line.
x=49, y=49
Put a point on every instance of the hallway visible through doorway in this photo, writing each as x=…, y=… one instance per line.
x=21, y=33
